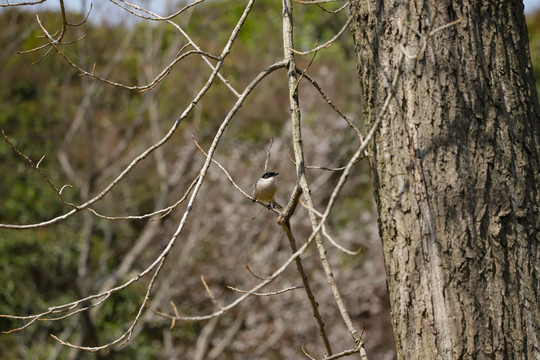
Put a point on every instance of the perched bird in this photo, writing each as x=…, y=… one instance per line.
x=264, y=189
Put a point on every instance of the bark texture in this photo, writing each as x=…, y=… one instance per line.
x=456, y=172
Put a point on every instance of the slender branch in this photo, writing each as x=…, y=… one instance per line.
x=425, y=38
x=156, y=17
x=294, y=104
x=247, y=294
x=325, y=233
x=23, y=3
x=332, y=105
x=319, y=167
x=153, y=16
x=38, y=170
x=268, y=154
x=162, y=212
x=126, y=337
x=169, y=134
x=311, y=2
x=326, y=44
x=209, y=292
x=331, y=11
x=338, y=355
x=65, y=24
x=255, y=275
x=232, y=181
x=268, y=293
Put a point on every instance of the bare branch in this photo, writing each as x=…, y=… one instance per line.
x=247, y=294
x=332, y=105
x=433, y=32
x=326, y=44
x=172, y=130
x=210, y=294
x=318, y=2
x=234, y=183
x=154, y=16
x=306, y=353
x=254, y=274
x=268, y=293
x=301, y=182
x=425, y=38
x=339, y=355
x=152, y=84
x=162, y=212
x=36, y=168
x=29, y=3
x=323, y=230
x=126, y=337
x=268, y=155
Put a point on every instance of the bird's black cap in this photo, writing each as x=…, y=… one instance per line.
x=269, y=174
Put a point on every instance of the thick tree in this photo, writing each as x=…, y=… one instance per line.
x=456, y=172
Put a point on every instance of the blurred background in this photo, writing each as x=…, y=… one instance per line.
x=90, y=131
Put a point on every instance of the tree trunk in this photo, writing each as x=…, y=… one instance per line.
x=456, y=174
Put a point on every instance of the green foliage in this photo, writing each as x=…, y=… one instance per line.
x=533, y=24
x=32, y=264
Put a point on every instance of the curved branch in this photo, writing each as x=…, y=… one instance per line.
x=155, y=17
x=246, y=294
x=171, y=131
x=161, y=258
x=126, y=337
x=326, y=44
x=29, y=3
x=38, y=170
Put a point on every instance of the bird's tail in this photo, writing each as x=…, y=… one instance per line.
x=276, y=205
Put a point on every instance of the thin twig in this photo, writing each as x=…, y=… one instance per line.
x=153, y=16
x=58, y=40
x=126, y=337
x=317, y=1
x=162, y=212
x=257, y=276
x=36, y=168
x=306, y=353
x=324, y=232
x=268, y=293
x=318, y=167
x=174, y=127
x=209, y=292
x=332, y=11
x=268, y=154
x=168, y=20
x=23, y=3
x=303, y=73
x=425, y=38
x=246, y=295
x=332, y=105
x=326, y=44
x=233, y=182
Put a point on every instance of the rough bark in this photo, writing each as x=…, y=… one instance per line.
x=456, y=173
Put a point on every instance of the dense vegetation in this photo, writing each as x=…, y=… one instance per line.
x=47, y=109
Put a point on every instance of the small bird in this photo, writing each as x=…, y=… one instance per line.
x=264, y=189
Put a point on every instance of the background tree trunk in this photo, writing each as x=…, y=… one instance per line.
x=456, y=174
